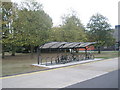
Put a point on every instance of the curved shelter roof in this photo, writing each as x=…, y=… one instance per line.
x=65, y=45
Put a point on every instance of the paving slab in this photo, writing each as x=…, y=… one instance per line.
x=66, y=64
x=61, y=77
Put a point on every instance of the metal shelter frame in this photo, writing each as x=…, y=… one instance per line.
x=63, y=45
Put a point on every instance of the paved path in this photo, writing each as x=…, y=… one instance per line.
x=107, y=80
x=61, y=77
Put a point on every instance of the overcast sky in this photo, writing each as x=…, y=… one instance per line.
x=84, y=8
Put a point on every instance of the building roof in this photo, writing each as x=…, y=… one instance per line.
x=65, y=45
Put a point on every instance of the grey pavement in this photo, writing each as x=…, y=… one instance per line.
x=104, y=81
x=62, y=77
x=0, y=84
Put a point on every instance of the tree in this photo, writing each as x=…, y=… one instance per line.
x=99, y=30
x=32, y=25
x=73, y=29
x=25, y=25
x=8, y=16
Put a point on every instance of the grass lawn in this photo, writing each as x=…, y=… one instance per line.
x=106, y=54
x=22, y=63
x=18, y=64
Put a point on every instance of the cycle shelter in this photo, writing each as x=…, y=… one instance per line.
x=70, y=54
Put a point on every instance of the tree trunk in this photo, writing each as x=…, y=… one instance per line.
x=99, y=50
x=13, y=51
x=32, y=48
x=3, y=52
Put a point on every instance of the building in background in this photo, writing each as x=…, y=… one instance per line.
x=117, y=36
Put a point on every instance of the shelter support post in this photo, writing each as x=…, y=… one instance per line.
x=51, y=60
x=85, y=53
x=46, y=61
x=38, y=53
x=58, y=61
